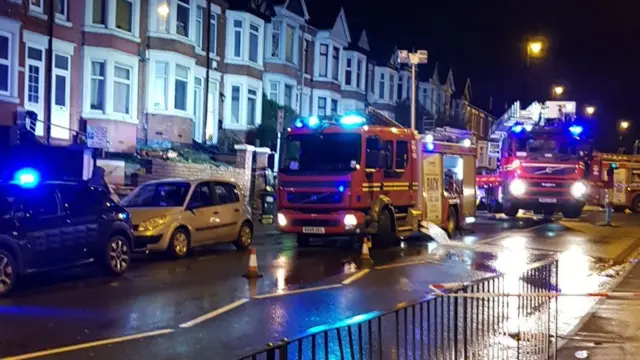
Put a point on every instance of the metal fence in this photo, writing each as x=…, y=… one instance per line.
x=500, y=317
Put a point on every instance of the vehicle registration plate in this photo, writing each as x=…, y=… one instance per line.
x=313, y=230
x=548, y=200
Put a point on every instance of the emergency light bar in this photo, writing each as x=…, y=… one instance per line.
x=347, y=120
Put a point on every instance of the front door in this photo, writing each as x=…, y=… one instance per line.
x=212, y=113
x=60, y=105
x=228, y=201
x=198, y=119
x=203, y=216
x=34, y=84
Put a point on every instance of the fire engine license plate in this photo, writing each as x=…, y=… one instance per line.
x=313, y=230
x=548, y=200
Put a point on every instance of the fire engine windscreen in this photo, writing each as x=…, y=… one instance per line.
x=322, y=152
x=546, y=146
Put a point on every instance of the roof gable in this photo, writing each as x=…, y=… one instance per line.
x=298, y=7
x=449, y=84
x=364, y=41
x=467, y=91
x=435, y=79
x=340, y=27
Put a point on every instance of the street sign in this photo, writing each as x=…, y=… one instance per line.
x=97, y=137
x=280, y=120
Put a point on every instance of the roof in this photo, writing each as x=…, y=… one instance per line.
x=322, y=13
x=260, y=8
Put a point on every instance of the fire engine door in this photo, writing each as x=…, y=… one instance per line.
x=620, y=186
x=468, y=187
x=432, y=187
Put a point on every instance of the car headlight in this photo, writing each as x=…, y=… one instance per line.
x=517, y=187
x=153, y=223
x=350, y=220
x=282, y=220
x=578, y=189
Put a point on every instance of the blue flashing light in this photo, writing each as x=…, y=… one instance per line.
x=27, y=178
x=430, y=146
x=352, y=120
x=313, y=121
x=341, y=188
x=517, y=129
x=576, y=130
x=298, y=123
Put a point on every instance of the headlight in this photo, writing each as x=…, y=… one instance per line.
x=350, y=220
x=517, y=187
x=282, y=220
x=578, y=189
x=153, y=223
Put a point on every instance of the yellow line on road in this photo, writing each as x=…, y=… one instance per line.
x=214, y=313
x=357, y=276
x=317, y=288
x=89, y=345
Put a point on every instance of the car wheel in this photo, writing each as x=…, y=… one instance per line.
x=303, y=240
x=179, y=244
x=8, y=274
x=245, y=237
x=118, y=255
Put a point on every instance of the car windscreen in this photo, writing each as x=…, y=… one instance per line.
x=163, y=194
x=322, y=152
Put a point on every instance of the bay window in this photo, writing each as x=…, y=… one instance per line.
x=323, y=60
x=235, y=104
x=243, y=106
x=359, y=67
x=181, y=85
x=246, y=43
x=276, y=33
x=381, y=87
x=274, y=91
x=335, y=63
x=182, y=17
x=5, y=62
x=399, y=93
x=254, y=38
x=252, y=102
x=289, y=43
x=122, y=89
x=160, y=85
x=322, y=106
x=237, y=38
x=392, y=82
x=348, y=72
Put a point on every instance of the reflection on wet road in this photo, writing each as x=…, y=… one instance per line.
x=162, y=294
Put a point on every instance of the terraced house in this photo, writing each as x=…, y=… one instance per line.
x=178, y=71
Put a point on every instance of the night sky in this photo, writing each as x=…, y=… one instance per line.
x=593, y=48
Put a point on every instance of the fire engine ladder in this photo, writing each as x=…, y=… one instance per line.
x=378, y=118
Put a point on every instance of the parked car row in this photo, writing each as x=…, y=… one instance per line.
x=45, y=226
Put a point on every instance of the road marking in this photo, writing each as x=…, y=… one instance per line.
x=213, y=314
x=357, y=276
x=406, y=263
x=317, y=288
x=90, y=344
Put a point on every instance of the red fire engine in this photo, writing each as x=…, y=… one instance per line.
x=541, y=166
x=358, y=175
x=625, y=182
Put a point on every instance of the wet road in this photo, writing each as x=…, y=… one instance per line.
x=159, y=295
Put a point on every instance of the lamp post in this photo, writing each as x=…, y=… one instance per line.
x=416, y=58
x=558, y=90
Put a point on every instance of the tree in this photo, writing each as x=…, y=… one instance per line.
x=267, y=131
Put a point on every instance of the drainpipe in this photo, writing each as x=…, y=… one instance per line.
x=207, y=78
x=49, y=98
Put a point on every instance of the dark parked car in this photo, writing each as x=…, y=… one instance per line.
x=58, y=224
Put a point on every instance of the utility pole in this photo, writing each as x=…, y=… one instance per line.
x=419, y=57
x=49, y=98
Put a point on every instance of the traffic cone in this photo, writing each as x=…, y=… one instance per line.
x=365, y=259
x=253, y=272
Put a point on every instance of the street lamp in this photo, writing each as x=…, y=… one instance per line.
x=418, y=57
x=558, y=90
x=534, y=48
x=590, y=110
x=624, y=125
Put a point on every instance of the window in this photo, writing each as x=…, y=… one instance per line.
x=323, y=64
x=5, y=62
x=274, y=90
x=160, y=85
x=213, y=34
x=371, y=80
x=372, y=157
x=348, y=71
x=182, y=18
x=122, y=90
x=276, y=32
x=235, y=104
x=392, y=82
x=334, y=107
x=35, y=5
x=386, y=155
x=254, y=38
x=335, y=63
x=61, y=9
x=44, y=204
x=322, y=106
x=61, y=62
x=124, y=15
x=97, y=85
x=163, y=16
x=199, y=18
x=160, y=194
x=34, y=66
x=82, y=200
x=182, y=83
x=237, y=38
x=359, y=74
x=252, y=106
x=98, y=15
x=399, y=90
x=290, y=38
x=202, y=196
x=288, y=95
x=381, y=87
x=226, y=193
x=402, y=154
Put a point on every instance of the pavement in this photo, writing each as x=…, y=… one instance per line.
x=202, y=306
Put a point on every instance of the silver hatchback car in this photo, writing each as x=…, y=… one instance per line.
x=176, y=215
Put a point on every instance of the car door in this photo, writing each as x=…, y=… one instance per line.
x=202, y=215
x=83, y=205
x=230, y=210
x=42, y=228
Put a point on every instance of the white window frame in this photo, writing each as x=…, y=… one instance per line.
x=331, y=47
x=213, y=51
x=110, y=15
x=326, y=61
x=191, y=18
x=292, y=102
x=173, y=59
x=244, y=32
x=348, y=71
x=253, y=25
x=37, y=9
x=42, y=74
x=382, y=85
x=187, y=80
x=65, y=15
x=274, y=95
x=360, y=81
x=199, y=26
x=254, y=97
x=294, y=43
x=276, y=34
x=392, y=87
x=245, y=83
x=7, y=62
x=111, y=57
x=128, y=82
x=328, y=96
x=11, y=29
x=156, y=86
x=383, y=74
x=104, y=82
x=237, y=37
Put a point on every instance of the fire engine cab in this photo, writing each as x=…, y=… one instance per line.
x=626, y=180
x=364, y=174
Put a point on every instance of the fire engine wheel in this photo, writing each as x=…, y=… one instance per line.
x=572, y=212
x=452, y=222
x=386, y=235
x=303, y=240
x=510, y=210
x=635, y=205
